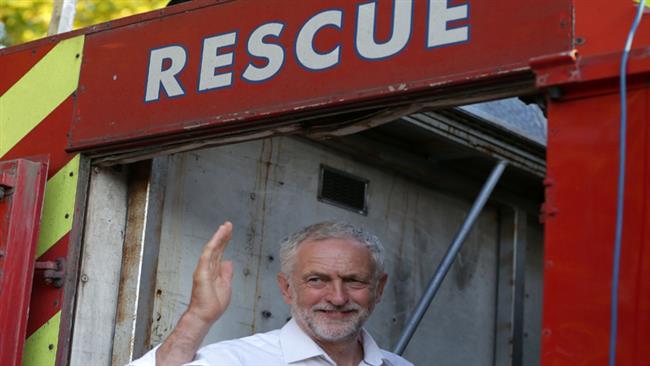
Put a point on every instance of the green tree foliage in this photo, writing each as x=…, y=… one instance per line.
x=26, y=20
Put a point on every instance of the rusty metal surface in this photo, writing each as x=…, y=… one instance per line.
x=20, y=213
x=128, y=293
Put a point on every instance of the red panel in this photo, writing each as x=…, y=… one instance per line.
x=20, y=213
x=583, y=167
x=503, y=36
x=15, y=64
x=603, y=25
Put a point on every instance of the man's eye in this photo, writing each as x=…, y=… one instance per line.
x=315, y=281
x=357, y=284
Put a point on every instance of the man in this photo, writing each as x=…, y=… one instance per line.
x=332, y=276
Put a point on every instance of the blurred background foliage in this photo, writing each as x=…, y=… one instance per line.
x=25, y=20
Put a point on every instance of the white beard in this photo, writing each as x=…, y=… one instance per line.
x=331, y=330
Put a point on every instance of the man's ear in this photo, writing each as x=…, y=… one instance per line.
x=283, y=283
x=380, y=287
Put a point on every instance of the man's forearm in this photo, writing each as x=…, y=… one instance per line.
x=183, y=342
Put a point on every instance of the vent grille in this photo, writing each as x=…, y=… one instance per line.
x=342, y=189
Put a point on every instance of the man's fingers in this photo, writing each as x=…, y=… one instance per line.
x=226, y=271
x=214, y=248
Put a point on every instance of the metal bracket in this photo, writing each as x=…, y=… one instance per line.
x=53, y=271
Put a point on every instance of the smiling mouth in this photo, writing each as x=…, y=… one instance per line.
x=337, y=313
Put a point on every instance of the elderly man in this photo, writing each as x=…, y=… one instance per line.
x=332, y=276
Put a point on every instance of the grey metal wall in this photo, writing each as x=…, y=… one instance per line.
x=268, y=189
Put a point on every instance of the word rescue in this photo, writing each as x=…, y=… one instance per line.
x=167, y=63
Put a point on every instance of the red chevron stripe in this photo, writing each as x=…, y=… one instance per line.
x=14, y=65
x=46, y=300
x=48, y=138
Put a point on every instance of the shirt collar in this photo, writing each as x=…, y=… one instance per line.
x=297, y=346
x=372, y=355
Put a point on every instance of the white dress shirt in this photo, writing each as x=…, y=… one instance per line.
x=289, y=346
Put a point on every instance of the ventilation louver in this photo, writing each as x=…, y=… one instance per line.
x=343, y=190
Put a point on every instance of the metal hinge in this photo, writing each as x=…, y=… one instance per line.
x=53, y=271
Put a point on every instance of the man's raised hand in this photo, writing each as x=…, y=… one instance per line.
x=210, y=297
x=211, y=282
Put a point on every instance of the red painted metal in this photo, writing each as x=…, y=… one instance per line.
x=582, y=163
x=111, y=105
x=582, y=159
x=20, y=213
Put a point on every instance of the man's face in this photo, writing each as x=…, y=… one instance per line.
x=332, y=289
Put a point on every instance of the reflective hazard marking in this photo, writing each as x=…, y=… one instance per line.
x=58, y=206
x=647, y=4
x=39, y=91
x=40, y=347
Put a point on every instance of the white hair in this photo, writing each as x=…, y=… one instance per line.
x=331, y=230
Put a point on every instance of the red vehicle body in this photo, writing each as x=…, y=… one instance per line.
x=147, y=84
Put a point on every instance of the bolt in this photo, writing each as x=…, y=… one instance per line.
x=84, y=278
x=266, y=314
x=271, y=258
x=247, y=271
x=50, y=347
x=580, y=41
x=252, y=195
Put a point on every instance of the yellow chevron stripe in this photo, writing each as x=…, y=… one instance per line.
x=39, y=91
x=647, y=3
x=58, y=206
x=40, y=347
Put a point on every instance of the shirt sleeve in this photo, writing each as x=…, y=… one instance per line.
x=216, y=354
x=212, y=355
x=149, y=359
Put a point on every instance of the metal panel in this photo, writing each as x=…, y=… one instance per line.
x=580, y=219
x=533, y=295
x=113, y=106
x=99, y=273
x=268, y=189
x=22, y=186
x=139, y=260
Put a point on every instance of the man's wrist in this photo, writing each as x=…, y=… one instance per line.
x=195, y=321
x=182, y=344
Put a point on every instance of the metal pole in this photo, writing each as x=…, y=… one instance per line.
x=448, y=259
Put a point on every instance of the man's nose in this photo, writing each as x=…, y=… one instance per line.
x=337, y=295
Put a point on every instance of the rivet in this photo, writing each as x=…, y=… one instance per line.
x=84, y=278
